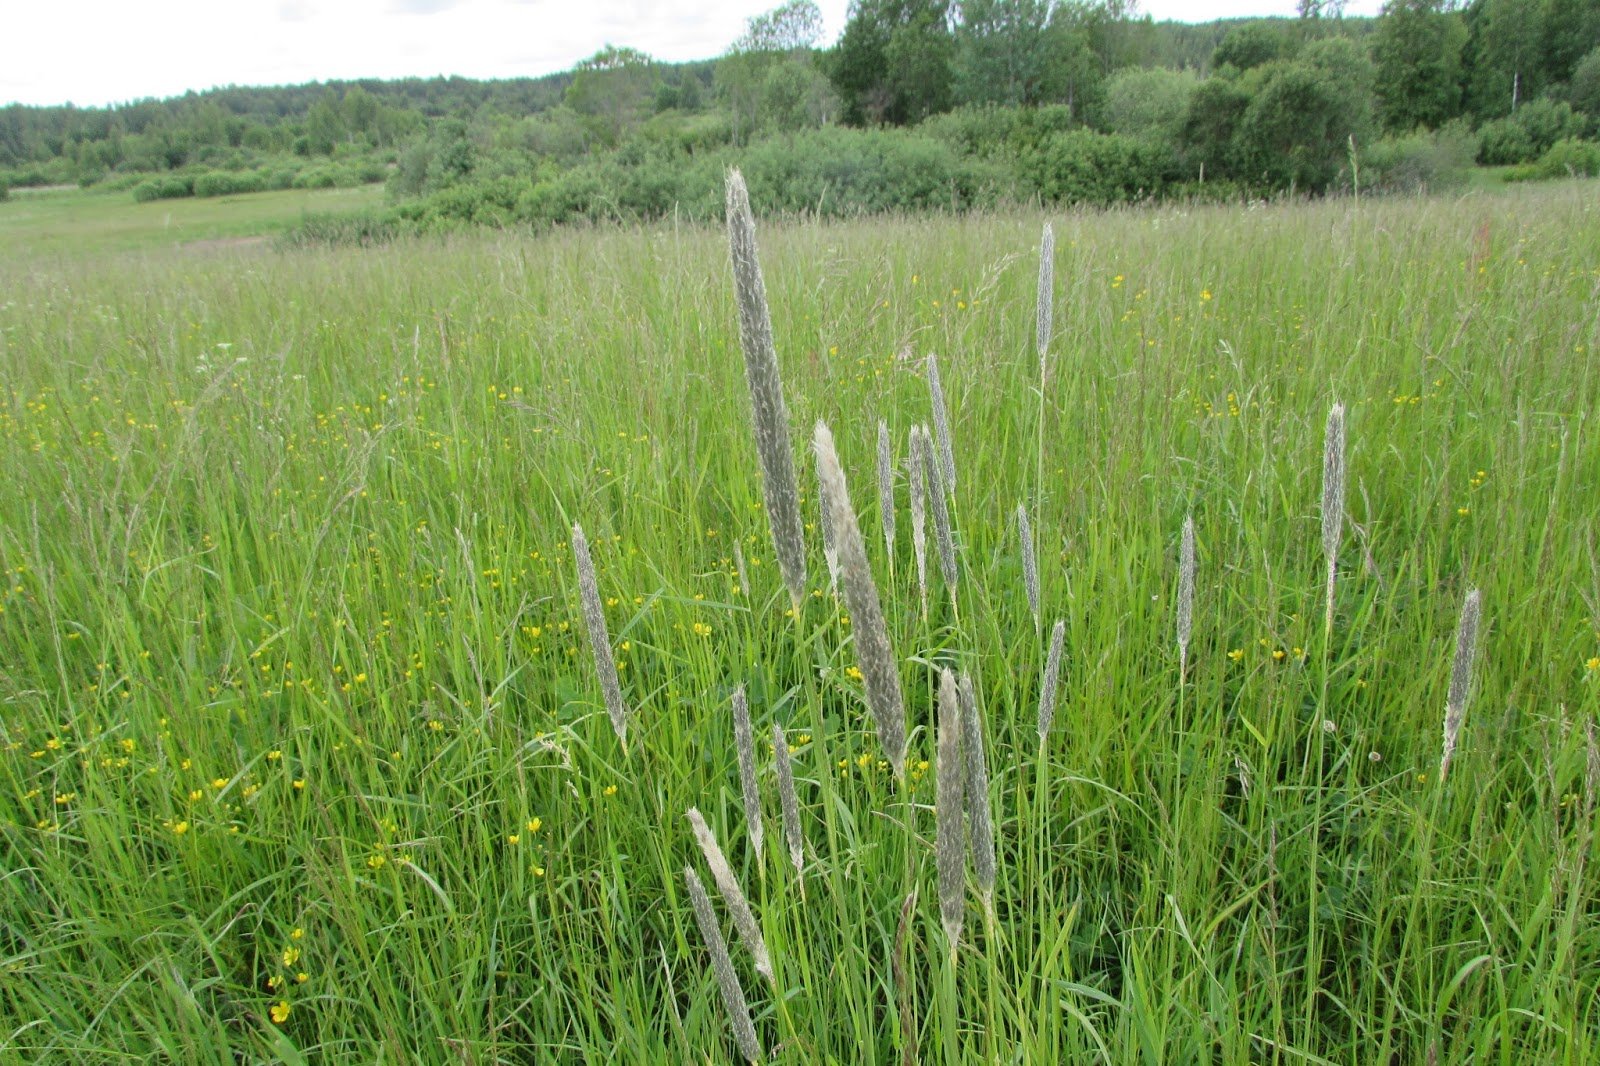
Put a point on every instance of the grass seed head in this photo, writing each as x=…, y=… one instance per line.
x=1044, y=323
x=788, y=800
x=980, y=826
x=1332, y=502
x=886, y=485
x=1030, y=562
x=943, y=536
x=1186, y=588
x=1052, y=677
x=950, y=852
x=744, y=741
x=769, y=415
x=918, y=477
x=874, y=655
x=941, y=426
x=733, y=896
x=594, y=620
x=1455, y=710
x=744, y=1033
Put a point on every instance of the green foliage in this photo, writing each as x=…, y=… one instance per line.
x=1253, y=44
x=1418, y=51
x=1148, y=103
x=1084, y=167
x=169, y=187
x=349, y=229
x=611, y=90
x=1584, y=90
x=1006, y=52
x=893, y=62
x=1419, y=162
x=1530, y=132
x=1569, y=158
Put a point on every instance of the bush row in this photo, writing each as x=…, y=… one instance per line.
x=232, y=183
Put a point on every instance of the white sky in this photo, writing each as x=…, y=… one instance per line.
x=95, y=52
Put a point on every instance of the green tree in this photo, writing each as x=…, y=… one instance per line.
x=1504, y=54
x=1251, y=45
x=324, y=124
x=612, y=89
x=1297, y=128
x=1571, y=30
x=1584, y=91
x=1418, y=47
x=893, y=61
x=1149, y=103
x=1002, y=51
x=782, y=36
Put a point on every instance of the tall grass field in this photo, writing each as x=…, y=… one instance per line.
x=305, y=755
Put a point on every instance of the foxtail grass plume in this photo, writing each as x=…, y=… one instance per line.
x=886, y=486
x=829, y=552
x=950, y=852
x=594, y=621
x=733, y=897
x=1455, y=708
x=744, y=741
x=943, y=537
x=1047, y=277
x=769, y=415
x=1332, y=502
x=980, y=827
x=744, y=1033
x=1052, y=677
x=1185, y=593
x=919, y=460
x=788, y=800
x=1030, y=562
x=874, y=656
x=941, y=426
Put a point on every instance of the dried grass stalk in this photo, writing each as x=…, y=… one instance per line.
x=594, y=620
x=738, y=567
x=744, y=741
x=788, y=800
x=1455, y=708
x=744, y=1033
x=770, y=417
x=1052, y=677
x=980, y=826
x=950, y=852
x=874, y=655
x=733, y=896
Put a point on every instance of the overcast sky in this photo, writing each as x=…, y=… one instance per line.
x=95, y=52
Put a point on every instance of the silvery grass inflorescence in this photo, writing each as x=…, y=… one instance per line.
x=1185, y=593
x=873, y=653
x=1043, y=324
x=943, y=536
x=770, y=416
x=789, y=802
x=1052, y=677
x=744, y=742
x=1332, y=502
x=733, y=896
x=918, y=460
x=886, y=485
x=744, y=1033
x=1030, y=562
x=950, y=852
x=594, y=621
x=941, y=426
x=980, y=826
x=1455, y=707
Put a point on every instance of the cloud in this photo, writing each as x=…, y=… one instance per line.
x=421, y=7
x=294, y=11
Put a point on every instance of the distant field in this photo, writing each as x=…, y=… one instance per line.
x=68, y=220
x=303, y=755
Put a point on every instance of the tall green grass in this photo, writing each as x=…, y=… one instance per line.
x=302, y=754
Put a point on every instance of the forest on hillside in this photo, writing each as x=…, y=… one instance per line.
x=920, y=104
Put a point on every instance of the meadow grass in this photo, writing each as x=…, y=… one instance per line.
x=303, y=756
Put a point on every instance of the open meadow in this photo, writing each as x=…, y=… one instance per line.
x=304, y=755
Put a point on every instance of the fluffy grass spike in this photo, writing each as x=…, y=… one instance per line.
x=744, y=741
x=1332, y=503
x=1044, y=323
x=733, y=897
x=873, y=653
x=1052, y=677
x=886, y=486
x=950, y=851
x=941, y=426
x=918, y=476
x=789, y=802
x=744, y=1033
x=980, y=825
x=1185, y=593
x=943, y=536
x=594, y=620
x=1030, y=562
x=769, y=415
x=1455, y=708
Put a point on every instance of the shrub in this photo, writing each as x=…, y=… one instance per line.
x=1504, y=141
x=1099, y=168
x=1570, y=157
x=360, y=228
x=163, y=187
x=1420, y=161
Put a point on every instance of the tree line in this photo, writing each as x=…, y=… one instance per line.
x=919, y=103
